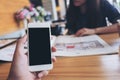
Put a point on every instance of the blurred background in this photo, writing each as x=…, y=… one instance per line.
x=16, y=13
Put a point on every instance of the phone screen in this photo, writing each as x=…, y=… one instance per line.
x=39, y=46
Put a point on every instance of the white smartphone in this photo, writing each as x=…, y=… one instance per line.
x=39, y=47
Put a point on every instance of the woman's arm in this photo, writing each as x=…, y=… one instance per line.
x=107, y=29
x=100, y=30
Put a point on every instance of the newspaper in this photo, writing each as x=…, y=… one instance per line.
x=68, y=46
x=6, y=54
x=7, y=44
x=81, y=46
x=13, y=35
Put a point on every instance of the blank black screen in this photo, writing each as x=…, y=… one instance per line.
x=39, y=46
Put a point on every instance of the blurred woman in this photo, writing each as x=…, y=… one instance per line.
x=85, y=17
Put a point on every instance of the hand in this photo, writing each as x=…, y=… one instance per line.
x=19, y=68
x=85, y=31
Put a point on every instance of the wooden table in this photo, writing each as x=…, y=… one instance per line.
x=101, y=67
x=7, y=10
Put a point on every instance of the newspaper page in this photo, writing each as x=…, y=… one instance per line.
x=7, y=44
x=82, y=46
x=13, y=35
x=68, y=46
x=6, y=54
x=7, y=49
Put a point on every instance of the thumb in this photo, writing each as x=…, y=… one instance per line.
x=20, y=44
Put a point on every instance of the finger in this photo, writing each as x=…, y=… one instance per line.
x=43, y=73
x=78, y=33
x=82, y=34
x=53, y=49
x=54, y=59
x=21, y=41
x=20, y=44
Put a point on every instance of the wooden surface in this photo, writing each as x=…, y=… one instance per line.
x=101, y=67
x=7, y=9
x=105, y=67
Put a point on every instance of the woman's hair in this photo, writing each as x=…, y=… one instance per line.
x=92, y=12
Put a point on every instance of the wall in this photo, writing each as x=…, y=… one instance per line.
x=47, y=5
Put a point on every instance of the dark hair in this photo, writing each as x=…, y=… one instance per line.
x=36, y=2
x=92, y=12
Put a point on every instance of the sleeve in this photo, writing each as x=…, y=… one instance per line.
x=110, y=11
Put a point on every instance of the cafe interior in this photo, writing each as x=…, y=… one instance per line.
x=92, y=60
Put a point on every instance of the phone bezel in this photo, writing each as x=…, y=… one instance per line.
x=40, y=67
